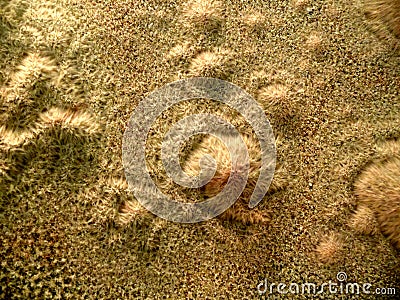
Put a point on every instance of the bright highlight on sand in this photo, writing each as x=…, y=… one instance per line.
x=146, y=113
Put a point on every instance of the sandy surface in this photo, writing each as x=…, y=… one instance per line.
x=71, y=75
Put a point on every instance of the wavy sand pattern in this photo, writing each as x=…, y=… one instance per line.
x=326, y=73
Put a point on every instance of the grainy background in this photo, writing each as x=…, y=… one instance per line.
x=71, y=74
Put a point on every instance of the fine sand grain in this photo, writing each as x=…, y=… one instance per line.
x=326, y=73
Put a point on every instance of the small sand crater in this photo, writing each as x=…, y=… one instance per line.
x=179, y=51
x=254, y=20
x=204, y=14
x=273, y=92
x=364, y=221
x=131, y=210
x=314, y=41
x=210, y=63
x=69, y=119
x=378, y=188
x=330, y=247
